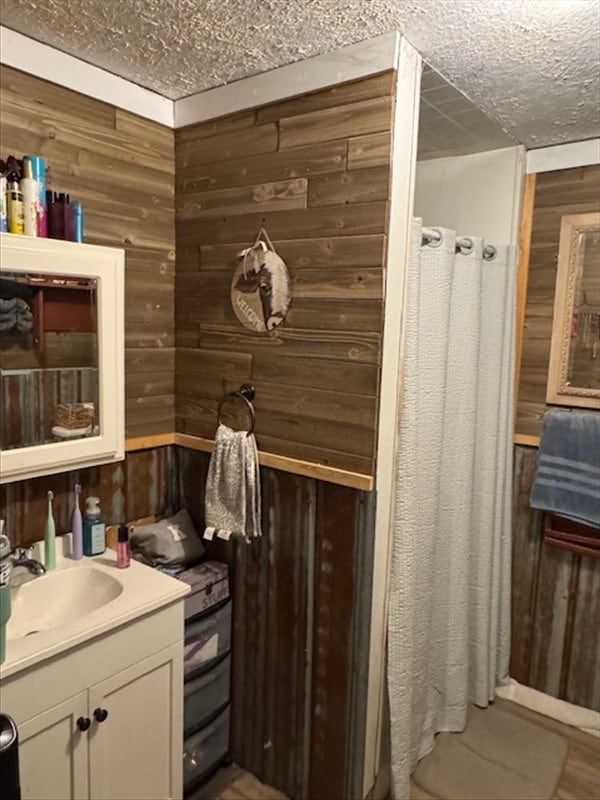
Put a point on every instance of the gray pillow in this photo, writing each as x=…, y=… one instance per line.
x=171, y=541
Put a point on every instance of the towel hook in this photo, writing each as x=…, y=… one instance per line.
x=246, y=393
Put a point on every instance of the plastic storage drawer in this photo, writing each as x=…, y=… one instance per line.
x=205, y=750
x=205, y=695
x=209, y=586
x=207, y=639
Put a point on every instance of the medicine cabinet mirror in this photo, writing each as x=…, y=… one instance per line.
x=574, y=374
x=61, y=356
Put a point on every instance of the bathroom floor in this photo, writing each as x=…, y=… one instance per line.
x=580, y=777
x=234, y=783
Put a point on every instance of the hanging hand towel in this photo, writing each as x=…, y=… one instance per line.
x=232, y=498
x=567, y=481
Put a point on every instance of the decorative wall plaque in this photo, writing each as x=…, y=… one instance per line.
x=261, y=287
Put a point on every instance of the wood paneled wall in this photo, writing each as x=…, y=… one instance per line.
x=315, y=172
x=569, y=191
x=555, y=605
x=302, y=598
x=121, y=167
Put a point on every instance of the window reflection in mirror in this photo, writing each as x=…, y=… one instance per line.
x=48, y=358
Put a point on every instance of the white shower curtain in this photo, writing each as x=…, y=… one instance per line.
x=449, y=607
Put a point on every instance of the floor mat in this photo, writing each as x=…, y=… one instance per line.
x=497, y=757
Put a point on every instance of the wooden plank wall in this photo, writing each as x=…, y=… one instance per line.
x=300, y=602
x=67, y=350
x=315, y=172
x=140, y=486
x=555, y=605
x=30, y=398
x=121, y=167
x=569, y=191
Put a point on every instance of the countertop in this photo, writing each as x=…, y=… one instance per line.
x=143, y=590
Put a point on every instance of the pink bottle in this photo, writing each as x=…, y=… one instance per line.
x=123, y=557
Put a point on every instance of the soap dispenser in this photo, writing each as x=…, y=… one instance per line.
x=94, y=529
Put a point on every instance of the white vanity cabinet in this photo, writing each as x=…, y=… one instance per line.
x=104, y=720
x=131, y=752
x=52, y=753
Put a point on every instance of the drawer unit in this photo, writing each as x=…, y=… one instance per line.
x=205, y=695
x=204, y=751
x=209, y=586
x=206, y=639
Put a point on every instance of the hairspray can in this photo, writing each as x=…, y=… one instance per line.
x=14, y=201
x=29, y=189
x=3, y=214
x=38, y=173
x=78, y=221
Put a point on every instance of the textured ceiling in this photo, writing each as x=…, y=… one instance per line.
x=531, y=65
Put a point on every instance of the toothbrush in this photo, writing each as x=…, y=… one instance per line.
x=50, y=538
x=77, y=527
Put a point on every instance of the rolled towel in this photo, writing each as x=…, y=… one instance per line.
x=8, y=320
x=232, y=496
x=24, y=316
x=567, y=480
x=8, y=305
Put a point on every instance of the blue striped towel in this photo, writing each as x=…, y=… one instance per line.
x=567, y=480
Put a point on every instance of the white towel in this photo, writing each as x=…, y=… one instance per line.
x=232, y=498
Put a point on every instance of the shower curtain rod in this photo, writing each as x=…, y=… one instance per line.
x=433, y=235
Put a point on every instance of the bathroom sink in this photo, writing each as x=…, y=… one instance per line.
x=57, y=598
x=77, y=602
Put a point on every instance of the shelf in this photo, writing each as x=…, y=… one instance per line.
x=322, y=472
x=570, y=535
x=525, y=439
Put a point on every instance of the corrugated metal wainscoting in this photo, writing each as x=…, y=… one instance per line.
x=556, y=605
x=302, y=597
x=139, y=486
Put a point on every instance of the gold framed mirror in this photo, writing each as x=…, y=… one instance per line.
x=574, y=373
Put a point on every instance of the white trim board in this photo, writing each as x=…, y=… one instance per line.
x=564, y=156
x=50, y=64
x=348, y=64
x=404, y=167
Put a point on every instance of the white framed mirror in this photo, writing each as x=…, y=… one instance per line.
x=61, y=356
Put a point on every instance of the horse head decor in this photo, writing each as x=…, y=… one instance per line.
x=261, y=286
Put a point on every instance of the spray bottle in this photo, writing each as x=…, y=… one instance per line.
x=29, y=190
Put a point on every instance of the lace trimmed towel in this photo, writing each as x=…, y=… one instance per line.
x=232, y=498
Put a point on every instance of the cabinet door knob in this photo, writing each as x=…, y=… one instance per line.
x=100, y=714
x=83, y=723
